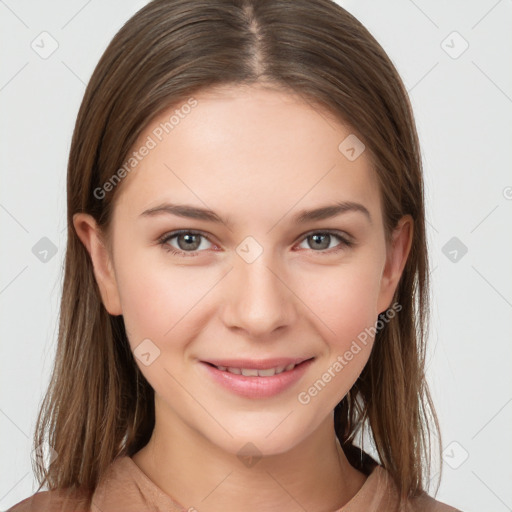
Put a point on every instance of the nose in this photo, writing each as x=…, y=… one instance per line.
x=259, y=298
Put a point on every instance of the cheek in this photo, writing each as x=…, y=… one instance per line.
x=346, y=313
x=159, y=299
x=160, y=303
x=344, y=299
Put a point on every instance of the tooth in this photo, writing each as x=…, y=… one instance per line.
x=251, y=372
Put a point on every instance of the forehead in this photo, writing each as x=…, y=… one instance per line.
x=246, y=151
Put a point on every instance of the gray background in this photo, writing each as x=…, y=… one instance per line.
x=463, y=105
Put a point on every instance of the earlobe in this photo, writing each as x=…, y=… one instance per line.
x=397, y=254
x=91, y=237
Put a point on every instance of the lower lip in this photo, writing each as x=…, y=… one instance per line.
x=257, y=387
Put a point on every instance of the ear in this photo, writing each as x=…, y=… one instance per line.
x=397, y=253
x=91, y=236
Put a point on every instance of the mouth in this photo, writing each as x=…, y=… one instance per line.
x=257, y=379
x=254, y=368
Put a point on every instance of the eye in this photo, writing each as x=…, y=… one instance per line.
x=188, y=242
x=321, y=240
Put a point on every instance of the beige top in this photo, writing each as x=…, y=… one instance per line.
x=126, y=488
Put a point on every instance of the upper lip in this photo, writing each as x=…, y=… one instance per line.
x=257, y=364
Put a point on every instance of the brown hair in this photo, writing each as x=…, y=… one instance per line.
x=98, y=405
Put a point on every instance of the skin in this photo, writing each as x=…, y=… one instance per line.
x=257, y=157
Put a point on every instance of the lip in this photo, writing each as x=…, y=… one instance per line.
x=262, y=364
x=256, y=387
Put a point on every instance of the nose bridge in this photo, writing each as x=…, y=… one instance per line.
x=259, y=300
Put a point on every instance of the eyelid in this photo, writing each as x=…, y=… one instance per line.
x=345, y=239
x=337, y=232
x=173, y=234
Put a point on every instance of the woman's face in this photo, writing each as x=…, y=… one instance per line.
x=268, y=285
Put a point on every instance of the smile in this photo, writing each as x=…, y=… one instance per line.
x=269, y=378
x=254, y=372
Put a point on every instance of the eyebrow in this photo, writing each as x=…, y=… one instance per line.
x=302, y=217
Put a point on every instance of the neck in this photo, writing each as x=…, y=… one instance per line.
x=314, y=475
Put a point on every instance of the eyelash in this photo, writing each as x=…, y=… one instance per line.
x=345, y=243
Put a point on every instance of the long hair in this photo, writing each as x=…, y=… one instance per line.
x=98, y=405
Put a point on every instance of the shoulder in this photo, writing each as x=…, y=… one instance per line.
x=426, y=503
x=52, y=501
x=120, y=483
x=386, y=496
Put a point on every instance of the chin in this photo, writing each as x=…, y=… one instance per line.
x=264, y=437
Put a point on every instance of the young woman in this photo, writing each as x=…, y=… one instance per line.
x=246, y=275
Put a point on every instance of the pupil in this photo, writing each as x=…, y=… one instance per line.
x=189, y=238
x=324, y=237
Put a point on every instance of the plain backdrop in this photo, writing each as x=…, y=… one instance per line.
x=455, y=59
